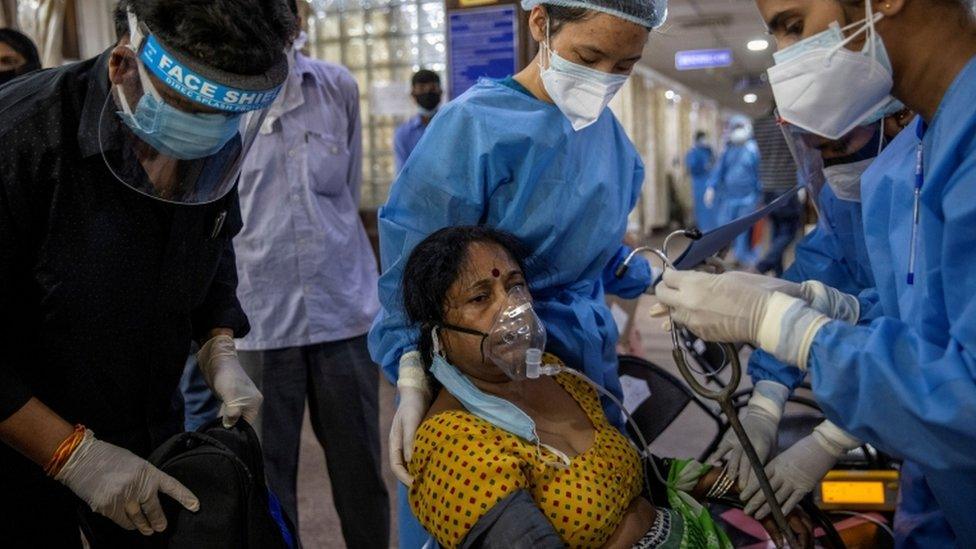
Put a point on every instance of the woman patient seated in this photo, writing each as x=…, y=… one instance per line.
x=496, y=431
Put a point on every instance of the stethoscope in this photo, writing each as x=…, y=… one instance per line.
x=722, y=396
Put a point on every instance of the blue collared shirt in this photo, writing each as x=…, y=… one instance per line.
x=406, y=138
x=307, y=271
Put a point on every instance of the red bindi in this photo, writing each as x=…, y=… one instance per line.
x=496, y=273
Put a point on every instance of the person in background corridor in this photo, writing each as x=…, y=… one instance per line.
x=699, y=161
x=18, y=55
x=425, y=88
x=733, y=186
x=308, y=283
x=777, y=174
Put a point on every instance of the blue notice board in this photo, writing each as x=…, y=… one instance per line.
x=482, y=42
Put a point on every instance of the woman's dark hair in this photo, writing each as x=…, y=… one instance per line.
x=560, y=15
x=435, y=264
x=239, y=36
x=22, y=44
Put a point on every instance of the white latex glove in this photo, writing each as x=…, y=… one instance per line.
x=709, y=198
x=223, y=373
x=415, y=396
x=769, y=283
x=796, y=472
x=720, y=308
x=724, y=308
x=121, y=485
x=830, y=301
x=761, y=423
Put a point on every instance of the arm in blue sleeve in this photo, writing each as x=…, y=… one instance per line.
x=870, y=305
x=818, y=257
x=433, y=191
x=765, y=367
x=718, y=173
x=634, y=282
x=910, y=389
x=873, y=382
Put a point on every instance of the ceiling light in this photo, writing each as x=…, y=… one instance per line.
x=758, y=45
x=750, y=98
x=669, y=95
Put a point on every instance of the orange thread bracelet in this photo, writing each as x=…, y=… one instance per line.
x=64, y=451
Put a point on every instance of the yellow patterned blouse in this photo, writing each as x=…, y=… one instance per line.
x=463, y=465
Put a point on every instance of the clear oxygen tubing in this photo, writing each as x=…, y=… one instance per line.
x=722, y=397
x=645, y=454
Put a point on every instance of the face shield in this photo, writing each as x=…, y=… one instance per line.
x=835, y=162
x=185, y=127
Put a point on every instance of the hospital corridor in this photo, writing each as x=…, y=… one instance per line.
x=487, y=274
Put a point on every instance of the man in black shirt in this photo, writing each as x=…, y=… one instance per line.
x=117, y=209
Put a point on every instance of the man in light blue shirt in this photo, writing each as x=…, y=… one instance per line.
x=308, y=283
x=425, y=88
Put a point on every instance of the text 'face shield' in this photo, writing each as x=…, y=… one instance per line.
x=185, y=127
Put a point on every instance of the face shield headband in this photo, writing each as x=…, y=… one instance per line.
x=187, y=126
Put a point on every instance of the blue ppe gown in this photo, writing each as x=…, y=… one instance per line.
x=737, y=191
x=699, y=162
x=835, y=253
x=906, y=382
x=498, y=156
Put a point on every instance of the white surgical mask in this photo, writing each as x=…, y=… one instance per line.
x=826, y=89
x=845, y=179
x=581, y=93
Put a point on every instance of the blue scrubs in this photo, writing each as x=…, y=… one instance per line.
x=906, y=383
x=499, y=157
x=699, y=162
x=737, y=191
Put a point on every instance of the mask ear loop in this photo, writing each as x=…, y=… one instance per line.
x=868, y=26
x=435, y=342
x=546, y=48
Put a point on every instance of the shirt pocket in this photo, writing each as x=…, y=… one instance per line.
x=328, y=163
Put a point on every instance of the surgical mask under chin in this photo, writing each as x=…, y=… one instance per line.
x=845, y=179
x=581, y=93
x=175, y=133
x=826, y=89
x=495, y=410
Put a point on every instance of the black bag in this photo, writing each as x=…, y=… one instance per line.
x=224, y=468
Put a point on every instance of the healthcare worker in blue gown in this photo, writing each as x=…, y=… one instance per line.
x=906, y=381
x=834, y=254
x=538, y=155
x=733, y=186
x=699, y=161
